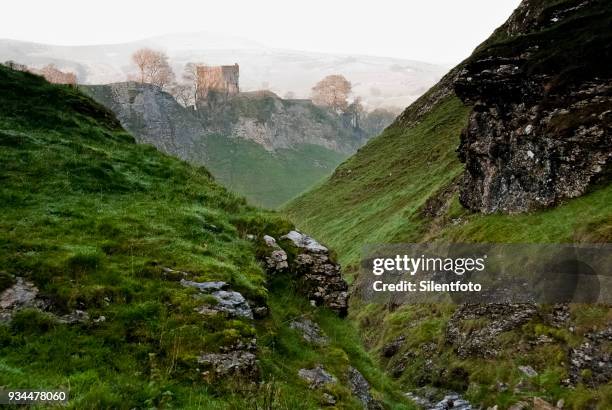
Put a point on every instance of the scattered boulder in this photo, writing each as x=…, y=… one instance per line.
x=521, y=405
x=228, y=301
x=316, y=377
x=481, y=342
x=311, y=332
x=22, y=294
x=328, y=399
x=452, y=401
x=426, y=399
x=528, y=371
x=361, y=389
x=419, y=400
x=391, y=349
x=78, y=316
x=237, y=363
x=205, y=286
x=305, y=242
x=232, y=303
x=591, y=362
x=541, y=404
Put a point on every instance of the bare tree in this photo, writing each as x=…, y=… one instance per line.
x=153, y=67
x=333, y=92
x=142, y=58
x=182, y=92
x=356, y=112
x=55, y=75
x=190, y=77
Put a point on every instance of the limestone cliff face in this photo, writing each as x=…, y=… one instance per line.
x=541, y=88
x=275, y=123
x=152, y=116
x=155, y=117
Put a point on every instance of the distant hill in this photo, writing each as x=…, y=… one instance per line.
x=380, y=81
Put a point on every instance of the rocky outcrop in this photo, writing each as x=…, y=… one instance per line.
x=276, y=260
x=21, y=294
x=316, y=377
x=321, y=277
x=240, y=364
x=361, y=389
x=540, y=129
x=239, y=140
x=495, y=318
x=591, y=362
x=229, y=302
x=274, y=123
x=393, y=347
x=153, y=117
x=311, y=332
x=156, y=118
x=431, y=399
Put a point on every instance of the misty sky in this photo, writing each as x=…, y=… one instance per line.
x=443, y=31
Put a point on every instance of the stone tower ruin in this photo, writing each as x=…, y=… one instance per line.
x=220, y=81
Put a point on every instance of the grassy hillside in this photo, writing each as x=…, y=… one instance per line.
x=400, y=188
x=376, y=196
x=403, y=187
x=266, y=178
x=92, y=219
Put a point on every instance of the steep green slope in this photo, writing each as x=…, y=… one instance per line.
x=102, y=225
x=403, y=186
x=377, y=195
x=267, y=178
x=400, y=187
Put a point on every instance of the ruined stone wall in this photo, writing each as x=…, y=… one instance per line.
x=221, y=80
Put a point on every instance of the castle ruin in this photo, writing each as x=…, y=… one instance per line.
x=220, y=81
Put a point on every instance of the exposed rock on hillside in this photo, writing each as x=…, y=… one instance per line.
x=316, y=377
x=311, y=332
x=276, y=261
x=495, y=318
x=591, y=363
x=21, y=294
x=361, y=388
x=257, y=144
x=227, y=301
x=155, y=117
x=541, y=127
x=322, y=278
x=275, y=123
x=240, y=364
x=152, y=116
